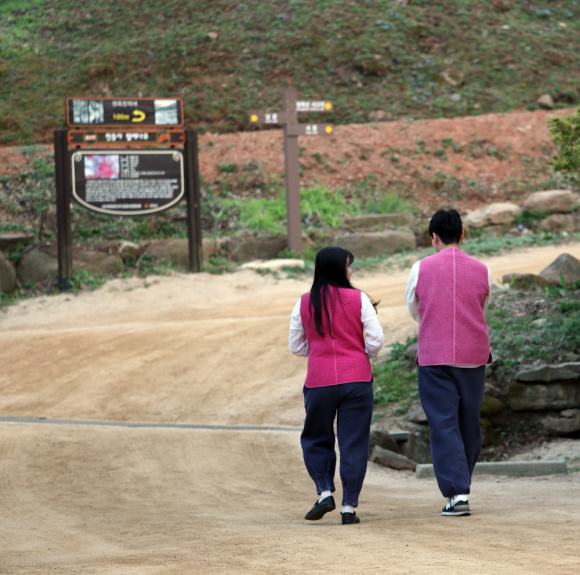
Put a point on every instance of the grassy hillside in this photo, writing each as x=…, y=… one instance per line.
x=405, y=60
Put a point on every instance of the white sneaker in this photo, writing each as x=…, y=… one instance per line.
x=457, y=506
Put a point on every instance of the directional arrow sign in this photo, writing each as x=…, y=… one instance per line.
x=314, y=106
x=146, y=112
x=260, y=118
x=309, y=129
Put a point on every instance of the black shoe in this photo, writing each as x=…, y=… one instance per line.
x=349, y=518
x=320, y=508
x=457, y=506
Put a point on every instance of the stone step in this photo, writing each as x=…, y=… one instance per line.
x=510, y=468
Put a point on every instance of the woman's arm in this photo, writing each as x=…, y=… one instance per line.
x=297, y=339
x=371, y=326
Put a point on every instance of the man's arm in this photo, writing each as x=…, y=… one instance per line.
x=486, y=302
x=410, y=295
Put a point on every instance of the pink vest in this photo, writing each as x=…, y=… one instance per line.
x=342, y=358
x=451, y=289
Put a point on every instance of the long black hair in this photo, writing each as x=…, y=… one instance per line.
x=329, y=271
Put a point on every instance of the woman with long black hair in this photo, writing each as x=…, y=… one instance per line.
x=328, y=325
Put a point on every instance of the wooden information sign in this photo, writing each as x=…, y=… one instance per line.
x=120, y=180
x=292, y=129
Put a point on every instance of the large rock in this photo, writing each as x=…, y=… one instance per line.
x=489, y=435
x=250, y=248
x=411, y=351
x=558, y=222
x=177, y=251
x=391, y=459
x=551, y=201
x=97, y=263
x=496, y=229
x=174, y=251
x=417, y=415
x=7, y=275
x=417, y=447
x=525, y=396
x=491, y=407
x=568, y=422
x=524, y=280
x=14, y=239
x=493, y=214
x=382, y=438
x=545, y=101
x=373, y=243
x=38, y=264
x=549, y=373
x=566, y=265
x=374, y=220
x=129, y=250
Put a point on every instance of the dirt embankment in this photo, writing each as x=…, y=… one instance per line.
x=490, y=150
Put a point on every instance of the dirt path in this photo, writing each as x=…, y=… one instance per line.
x=212, y=349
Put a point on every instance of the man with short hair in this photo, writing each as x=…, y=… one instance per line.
x=448, y=294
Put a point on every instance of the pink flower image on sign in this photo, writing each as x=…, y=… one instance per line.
x=102, y=167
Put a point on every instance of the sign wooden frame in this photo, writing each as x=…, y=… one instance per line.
x=64, y=196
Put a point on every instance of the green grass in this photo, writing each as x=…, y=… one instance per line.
x=515, y=341
x=395, y=379
x=364, y=56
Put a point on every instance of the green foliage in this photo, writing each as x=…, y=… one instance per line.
x=447, y=142
x=566, y=136
x=528, y=217
x=87, y=280
x=395, y=379
x=512, y=338
x=364, y=56
x=226, y=167
x=566, y=306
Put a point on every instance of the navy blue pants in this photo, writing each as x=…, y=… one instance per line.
x=352, y=404
x=451, y=398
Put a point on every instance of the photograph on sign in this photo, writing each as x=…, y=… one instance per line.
x=88, y=112
x=137, y=112
x=166, y=112
x=127, y=183
x=101, y=167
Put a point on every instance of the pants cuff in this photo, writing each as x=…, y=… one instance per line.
x=325, y=485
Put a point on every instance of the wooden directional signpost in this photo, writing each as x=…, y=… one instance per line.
x=292, y=129
x=98, y=166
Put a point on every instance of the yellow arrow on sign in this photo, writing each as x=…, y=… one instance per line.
x=328, y=106
x=139, y=116
x=253, y=118
x=329, y=129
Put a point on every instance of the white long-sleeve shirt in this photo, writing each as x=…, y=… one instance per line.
x=374, y=339
x=413, y=300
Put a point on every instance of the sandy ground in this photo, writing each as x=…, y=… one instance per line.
x=212, y=349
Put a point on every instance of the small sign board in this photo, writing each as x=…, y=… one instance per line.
x=126, y=137
x=309, y=129
x=127, y=183
x=259, y=118
x=133, y=112
x=313, y=106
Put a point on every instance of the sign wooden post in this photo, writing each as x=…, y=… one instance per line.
x=292, y=129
